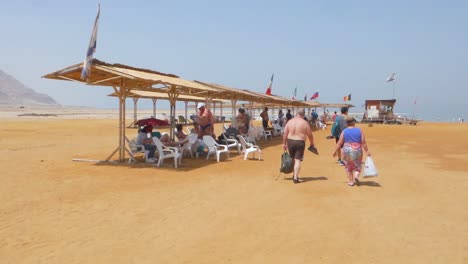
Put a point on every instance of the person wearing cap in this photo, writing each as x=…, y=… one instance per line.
x=265, y=118
x=352, y=141
x=205, y=121
x=145, y=138
x=295, y=133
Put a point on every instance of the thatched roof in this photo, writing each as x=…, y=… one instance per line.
x=106, y=74
x=165, y=96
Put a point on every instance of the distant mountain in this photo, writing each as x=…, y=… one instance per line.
x=13, y=92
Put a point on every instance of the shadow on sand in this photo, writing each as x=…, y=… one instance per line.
x=369, y=183
x=307, y=179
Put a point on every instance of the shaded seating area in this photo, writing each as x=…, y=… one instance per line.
x=134, y=83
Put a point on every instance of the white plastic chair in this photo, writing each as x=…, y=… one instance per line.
x=277, y=129
x=264, y=133
x=192, y=139
x=249, y=148
x=232, y=143
x=225, y=127
x=135, y=148
x=320, y=125
x=252, y=136
x=215, y=148
x=166, y=152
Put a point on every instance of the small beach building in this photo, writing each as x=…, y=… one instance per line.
x=379, y=110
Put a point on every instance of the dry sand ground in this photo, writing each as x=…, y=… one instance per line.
x=54, y=210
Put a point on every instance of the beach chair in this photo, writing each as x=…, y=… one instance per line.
x=277, y=129
x=264, y=133
x=249, y=148
x=134, y=149
x=252, y=136
x=320, y=125
x=192, y=140
x=182, y=120
x=225, y=127
x=166, y=152
x=215, y=148
x=232, y=143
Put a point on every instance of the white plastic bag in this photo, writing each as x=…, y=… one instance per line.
x=369, y=168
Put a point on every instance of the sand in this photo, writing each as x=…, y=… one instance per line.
x=54, y=210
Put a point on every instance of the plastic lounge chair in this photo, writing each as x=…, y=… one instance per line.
x=277, y=129
x=252, y=136
x=215, y=148
x=135, y=149
x=232, y=143
x=182, y=120
x=249, y=148
x=192, y=140
x=264, y=133
x=320, y=125
x=166, y=152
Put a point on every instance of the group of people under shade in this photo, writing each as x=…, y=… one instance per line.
x=203, y=125
x=349, y=144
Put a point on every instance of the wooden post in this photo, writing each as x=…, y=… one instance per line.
x=154, y=107
x=135, y=101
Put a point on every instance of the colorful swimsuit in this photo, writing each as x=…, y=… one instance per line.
x=352, y=149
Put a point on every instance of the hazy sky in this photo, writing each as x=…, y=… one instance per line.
x=334, y=47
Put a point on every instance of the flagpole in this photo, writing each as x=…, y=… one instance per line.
x=393, y=89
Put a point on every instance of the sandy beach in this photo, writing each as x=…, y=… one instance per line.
x=55, y=210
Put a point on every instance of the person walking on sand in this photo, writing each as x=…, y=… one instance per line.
x=295, y=133
x=341, y=126
x=352, y=141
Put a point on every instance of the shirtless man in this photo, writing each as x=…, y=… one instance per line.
x=205, y=120
x=265, y=119
x=295, y=133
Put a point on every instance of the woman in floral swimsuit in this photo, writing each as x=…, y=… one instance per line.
x=353, y=141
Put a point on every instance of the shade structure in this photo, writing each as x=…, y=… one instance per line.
x=124, y=79
x=162, y=95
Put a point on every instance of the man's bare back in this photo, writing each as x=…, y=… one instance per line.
x=298, y=129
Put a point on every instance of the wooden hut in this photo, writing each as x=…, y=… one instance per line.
x=379, y=111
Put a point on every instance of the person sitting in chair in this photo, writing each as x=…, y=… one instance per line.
x=180, y=134
x=144, y=138
x=168, y=142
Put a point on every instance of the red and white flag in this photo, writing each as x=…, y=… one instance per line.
x=314, y=96
x=270, y=84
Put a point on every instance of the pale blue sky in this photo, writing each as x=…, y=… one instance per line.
x=334, y=47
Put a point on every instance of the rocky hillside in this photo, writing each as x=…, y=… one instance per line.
x=14, y=93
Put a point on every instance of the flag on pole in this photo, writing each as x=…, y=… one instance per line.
x=391, y=78
x=347, y=98
x=86, y=72
x=294, y=94
x=305, y=97
x=268, y=91
x=314, y=96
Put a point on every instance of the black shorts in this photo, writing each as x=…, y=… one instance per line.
x=296, y=148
